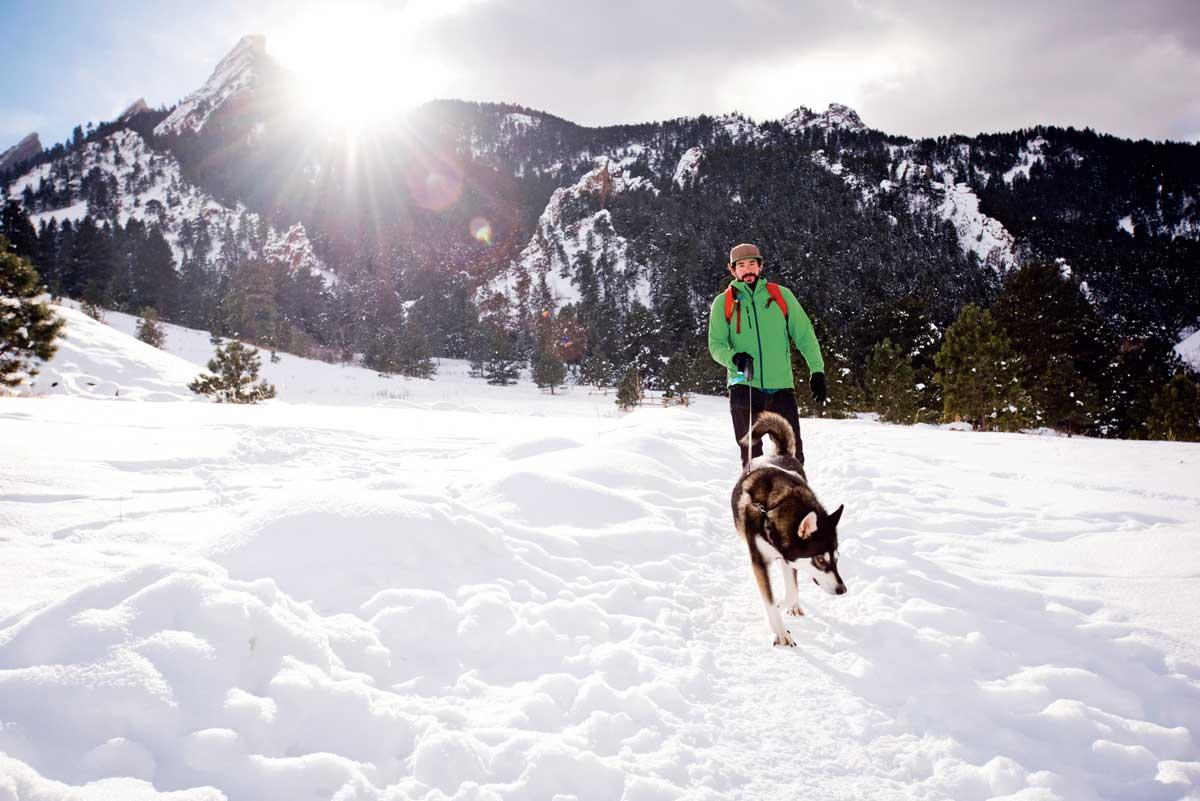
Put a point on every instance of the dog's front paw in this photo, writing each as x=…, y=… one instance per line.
x=793, y=609
x=785, y=639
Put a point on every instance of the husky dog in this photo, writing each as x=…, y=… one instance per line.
x=780, y=518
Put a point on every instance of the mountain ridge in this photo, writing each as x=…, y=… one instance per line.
x=512, y=213
x=27, y=148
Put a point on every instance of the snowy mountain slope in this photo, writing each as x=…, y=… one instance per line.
x=836, y=117
x=538, y=597
x=949, y=200
x=576, y=224
x=120, y=177
x=688, y=167
x=1030, y=154
x=984, y=236
x=233, y=74
x=266, y=151
x=100, y=361
x=104, y=360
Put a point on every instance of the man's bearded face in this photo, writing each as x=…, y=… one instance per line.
x=747, y=270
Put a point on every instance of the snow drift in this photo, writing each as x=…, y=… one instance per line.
x=454, y=591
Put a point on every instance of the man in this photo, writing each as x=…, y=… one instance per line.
x=750, y=331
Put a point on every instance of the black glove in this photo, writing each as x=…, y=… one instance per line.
x=744, y=363
x=817, y=383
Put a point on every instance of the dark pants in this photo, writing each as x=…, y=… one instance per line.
x=782, y=402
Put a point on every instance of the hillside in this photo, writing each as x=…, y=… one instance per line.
x=469, y=229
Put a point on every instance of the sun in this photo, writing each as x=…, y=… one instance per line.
x=357, y=66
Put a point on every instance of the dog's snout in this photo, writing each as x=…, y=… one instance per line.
x=841, y=589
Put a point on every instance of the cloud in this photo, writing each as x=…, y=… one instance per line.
x=1114, y=67
x=917, y=67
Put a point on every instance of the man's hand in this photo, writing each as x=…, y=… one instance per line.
x=744, y=363
x=817, y=384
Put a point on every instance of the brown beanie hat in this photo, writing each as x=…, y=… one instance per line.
x=744, y=251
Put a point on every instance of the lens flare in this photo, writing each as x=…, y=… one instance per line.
x=437, y=184
x=481, y=229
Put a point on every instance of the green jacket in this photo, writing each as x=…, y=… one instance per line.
x=765, y=335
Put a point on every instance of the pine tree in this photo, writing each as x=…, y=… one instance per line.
x=414, y=359
x=28, y=327
x=479, y=344
x=906, y=322
x=502, y=359
x=149, y=329
x=383, y=352
x=198, y=293
x=979, y=374
x=639, y=342
x=597, y=370
x=546, y=361
x=249, y=310
x=1175, y=411
x=381, y=336
x=155, y=282
x=394, y=341
x=95, y=263
x=234, y=369
x=1136, y=372
x=629, y=391
x=548, y=371
x=686, y=371
x=49, y=254
x=601, y=319
x=843, y=378
x=891, y=384
x=1061, y=344
x=18, y=230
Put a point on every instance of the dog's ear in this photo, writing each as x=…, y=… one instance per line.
x=836, y=516
x=807, y=526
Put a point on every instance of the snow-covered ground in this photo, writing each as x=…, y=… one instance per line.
x=402, y=589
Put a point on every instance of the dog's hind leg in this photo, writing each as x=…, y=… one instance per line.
x=791, y=592
x=774, y=619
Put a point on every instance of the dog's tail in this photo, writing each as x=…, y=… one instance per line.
x=778, y=429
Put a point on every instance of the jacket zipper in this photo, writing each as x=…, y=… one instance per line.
x=754, y=307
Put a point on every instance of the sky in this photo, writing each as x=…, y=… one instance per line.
x=912, y=67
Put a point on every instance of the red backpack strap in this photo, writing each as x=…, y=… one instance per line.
x=731, y=302
x=776, y=295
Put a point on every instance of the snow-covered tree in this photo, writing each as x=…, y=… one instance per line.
x=1060, y=341
x=502, y=359
x=28, y=326
x=979, y=374
x=891, y=384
